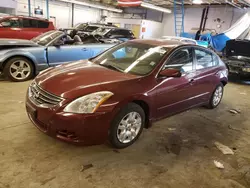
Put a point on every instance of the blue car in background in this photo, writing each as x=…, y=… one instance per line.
x=21, y=60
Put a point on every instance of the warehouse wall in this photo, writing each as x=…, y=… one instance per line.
x=8, y=3
x=8, y=6
x=152, y=29
x=61, y=11
x=192, y=19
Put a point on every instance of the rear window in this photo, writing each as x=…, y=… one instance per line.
x=43, y=24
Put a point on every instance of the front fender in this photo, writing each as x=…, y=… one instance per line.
x=37, y=55
x=115, y=106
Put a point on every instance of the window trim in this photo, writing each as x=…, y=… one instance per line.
x=171, y=55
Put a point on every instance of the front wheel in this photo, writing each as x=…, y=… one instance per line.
x=216, y=96
x=127, y=126
x=19, y=69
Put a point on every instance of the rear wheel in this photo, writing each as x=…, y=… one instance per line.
x=127, y=126
x=216, y=96
x=19, y=69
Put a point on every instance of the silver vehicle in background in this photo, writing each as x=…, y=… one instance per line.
x=180, y=39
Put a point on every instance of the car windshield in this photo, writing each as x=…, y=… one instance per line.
x=131, y=57
x=80, y=26
x=90, y=28
x=101, y=31
x=46, y=38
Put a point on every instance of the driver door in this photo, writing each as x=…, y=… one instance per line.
x=174, y=93
x=58, y=54
x=67, y=53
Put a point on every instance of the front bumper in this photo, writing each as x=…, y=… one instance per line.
x=80, y=129
x=238, y=67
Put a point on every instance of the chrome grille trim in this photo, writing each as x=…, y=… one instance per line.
x=41, y=97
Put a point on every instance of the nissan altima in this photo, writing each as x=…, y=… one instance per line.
x=116, y=94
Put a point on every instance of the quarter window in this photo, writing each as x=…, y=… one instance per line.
x=42, y=24
x=204, y=59
x=181, y=60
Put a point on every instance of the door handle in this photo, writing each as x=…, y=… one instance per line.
x=191, y=80
x=84, y=49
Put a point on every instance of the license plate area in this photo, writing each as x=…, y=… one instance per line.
x=246, y=69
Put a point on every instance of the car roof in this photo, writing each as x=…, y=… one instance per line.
x=182, y=39
x=101, y=24
x=158, y=42
x=115, y=28
x=28, y=17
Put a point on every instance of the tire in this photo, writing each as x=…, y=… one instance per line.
x=213, y=103
x=131, y=130
x=22, y=67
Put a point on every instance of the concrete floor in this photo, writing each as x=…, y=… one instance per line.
x=176, y=152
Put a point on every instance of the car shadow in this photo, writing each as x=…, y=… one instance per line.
x=239, y=80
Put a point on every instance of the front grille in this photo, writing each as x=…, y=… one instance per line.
x=67, y=135
x=41, y=97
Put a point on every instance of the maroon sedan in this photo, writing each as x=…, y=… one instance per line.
x=123, y=90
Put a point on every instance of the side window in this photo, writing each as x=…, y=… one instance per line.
x=125, y=33
x=30, y=23
x=115, y=32
x=181, y=59
x=204, y=59
x=11, y=23
x=43, y=24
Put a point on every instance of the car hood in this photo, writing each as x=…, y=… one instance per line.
x=79, y=78
x=16, y=42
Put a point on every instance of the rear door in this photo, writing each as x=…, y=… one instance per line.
x=10, y=28
x=206, y=64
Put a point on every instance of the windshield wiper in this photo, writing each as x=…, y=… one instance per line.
x=110, y=66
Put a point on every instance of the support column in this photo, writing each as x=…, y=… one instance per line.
x=47, y=7
x=73, y=13
x=29, y=7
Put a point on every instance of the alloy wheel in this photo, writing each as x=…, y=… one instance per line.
x=129, y=127
x=217, y=95
x=20, y=69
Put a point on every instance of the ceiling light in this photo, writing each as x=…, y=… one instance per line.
x=93, y=5
x=150, y=6
x=198, y=2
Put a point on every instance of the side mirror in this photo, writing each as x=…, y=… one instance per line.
x=58, y=43
x=170, y=73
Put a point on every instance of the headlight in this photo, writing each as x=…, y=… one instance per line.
x=88, y=103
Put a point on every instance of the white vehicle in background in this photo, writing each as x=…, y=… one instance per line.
x=2, y=15
x=181, y=39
